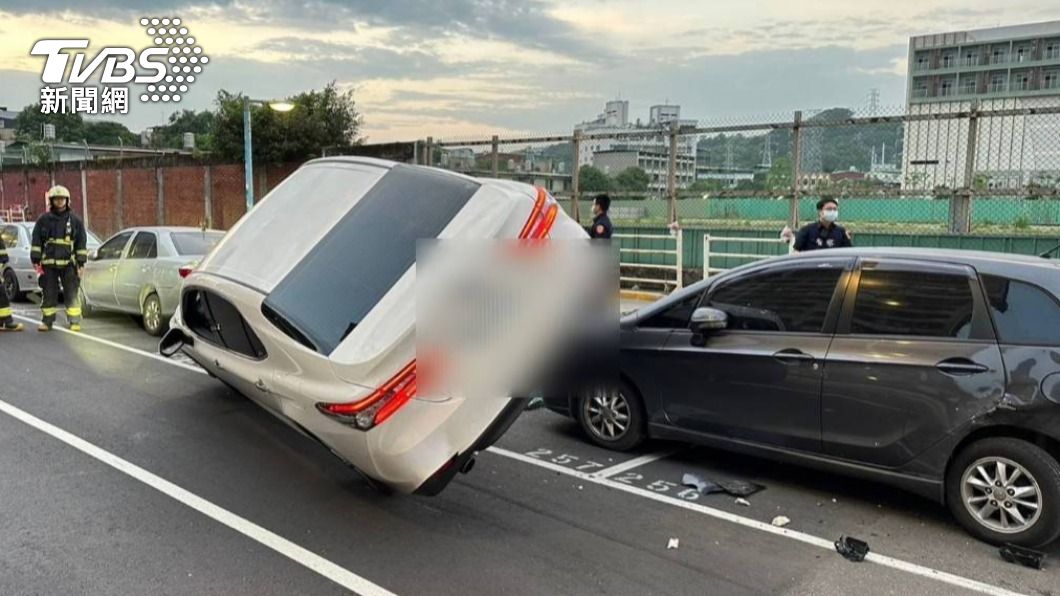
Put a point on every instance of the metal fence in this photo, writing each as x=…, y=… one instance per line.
x=959, y=169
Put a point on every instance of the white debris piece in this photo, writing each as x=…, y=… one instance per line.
x=673, y=544
x=743, y=501
x=780, y=521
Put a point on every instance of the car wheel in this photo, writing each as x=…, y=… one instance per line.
x=11, y=286
x=86, y=308
x=1005, y=490
x=151, y=315
x=613, y=417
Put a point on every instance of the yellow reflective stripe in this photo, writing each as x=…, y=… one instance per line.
x=35, y=249
x=48, y=312
x=73, y=312
x=82, y=252
x=5, y=312
x=59, y=242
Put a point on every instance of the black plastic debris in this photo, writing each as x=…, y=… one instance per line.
x=736, y=488
x=1022, y=556
x=740, y=488
x=851, y=548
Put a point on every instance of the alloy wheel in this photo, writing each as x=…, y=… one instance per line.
x=607, y=413
x=1001, y=495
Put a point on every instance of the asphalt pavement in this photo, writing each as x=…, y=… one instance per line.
x=125, y=474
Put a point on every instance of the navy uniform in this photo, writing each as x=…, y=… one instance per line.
x=7, y=323
x=816, y=236
x=601, y=227
x=59, y=248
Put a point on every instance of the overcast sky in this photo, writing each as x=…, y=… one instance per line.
x=459, y=68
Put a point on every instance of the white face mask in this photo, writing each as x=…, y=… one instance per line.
x=830, y=215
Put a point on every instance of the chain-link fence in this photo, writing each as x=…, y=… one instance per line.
x=964, y=170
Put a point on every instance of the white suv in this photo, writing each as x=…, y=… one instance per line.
x=308, y=308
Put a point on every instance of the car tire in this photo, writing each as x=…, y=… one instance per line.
x=11, y=287
x=151, y=316
x=989, y=498
x=612, y=417
x=86, y=308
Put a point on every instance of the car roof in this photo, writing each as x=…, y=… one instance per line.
x=510, y=187
x=948, y=255
x=168, y=229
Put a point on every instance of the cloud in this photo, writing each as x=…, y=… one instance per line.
x=523, y=22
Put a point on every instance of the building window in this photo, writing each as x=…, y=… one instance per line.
x=920, y=90
x=997, y=83
x=1022, y=82
x=998, y=56
x=1023, y=54
x=1052, y=50
x=946, y=88
x=968, y=85
x=949, y=61
x=922, y=62
x=1051, y=80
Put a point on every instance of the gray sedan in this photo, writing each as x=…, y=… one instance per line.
x=20, y=278
x=139, y=271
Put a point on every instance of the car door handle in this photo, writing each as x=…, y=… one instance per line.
x=261, y=386
x=793, y=355
x=961, y=366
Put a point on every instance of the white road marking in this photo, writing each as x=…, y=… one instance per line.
x=107, y=342
x=306, y=558
x=913, y=568
x=635, y=463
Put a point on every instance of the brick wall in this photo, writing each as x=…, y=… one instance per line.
x=184, y=194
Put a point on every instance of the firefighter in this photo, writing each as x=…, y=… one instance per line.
x=7, y=323
x=58, y=248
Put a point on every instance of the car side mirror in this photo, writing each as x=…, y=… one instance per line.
x=706, y=320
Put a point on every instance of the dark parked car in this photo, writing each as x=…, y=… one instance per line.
x=935, y=371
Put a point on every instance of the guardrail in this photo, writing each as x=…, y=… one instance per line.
x=707, y=252
x=663, y=282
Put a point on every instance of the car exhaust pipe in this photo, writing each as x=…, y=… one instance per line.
x=173, y=341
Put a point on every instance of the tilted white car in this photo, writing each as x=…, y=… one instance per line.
x=308, y=308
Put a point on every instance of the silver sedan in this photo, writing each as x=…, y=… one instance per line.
x=20, y=277
x=139, y=271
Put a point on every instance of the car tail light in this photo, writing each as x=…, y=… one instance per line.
x=541, y=218
x=380, y=405
x=185, y=270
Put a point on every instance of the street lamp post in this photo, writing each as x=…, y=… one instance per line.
x=248, y=149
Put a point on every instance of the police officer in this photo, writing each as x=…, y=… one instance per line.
x=825, y=232
x=601, y=227
x=7, y=323
x=59, y=248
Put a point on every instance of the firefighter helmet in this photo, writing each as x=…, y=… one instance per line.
x=58, y=191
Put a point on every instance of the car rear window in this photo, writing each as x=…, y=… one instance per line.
x=195, y=243
x=915, y=303
x=345, y=275
x=1023, y=313
x=217, y=321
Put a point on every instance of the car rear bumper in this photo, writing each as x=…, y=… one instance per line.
x=417, y=450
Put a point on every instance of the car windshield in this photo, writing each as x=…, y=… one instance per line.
x=352, y=267
x=195, y=243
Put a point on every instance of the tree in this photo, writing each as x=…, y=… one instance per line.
x=321, y=120
x=591, y=179
x=705, y=186
x=30, y=125
x=171, y=135
x=779, y=176
x=107, y=133
x=632, y=179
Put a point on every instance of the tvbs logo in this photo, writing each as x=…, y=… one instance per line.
x=167, y=68
x=119, y=64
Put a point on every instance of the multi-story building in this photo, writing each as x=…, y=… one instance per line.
x=615, y=120
x=1002, y=68
x=655, y=164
